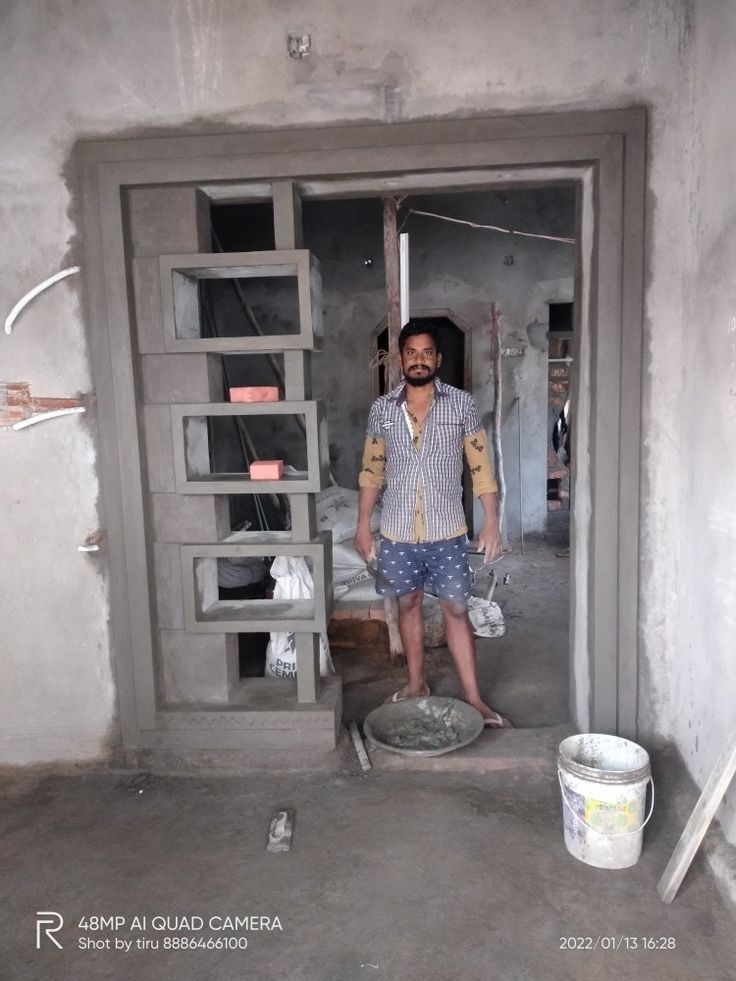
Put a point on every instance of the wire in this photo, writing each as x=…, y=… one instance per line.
x=492, y=228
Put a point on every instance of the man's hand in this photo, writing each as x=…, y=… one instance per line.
x=365, y=543
x=489, y=541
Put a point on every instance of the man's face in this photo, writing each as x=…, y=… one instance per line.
x=420, y=360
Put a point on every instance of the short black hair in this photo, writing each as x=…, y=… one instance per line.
x=413, y=329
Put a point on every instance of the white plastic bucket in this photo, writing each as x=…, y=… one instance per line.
x=604, y=780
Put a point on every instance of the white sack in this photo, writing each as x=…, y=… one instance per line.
x=337, y=511
x=486, y=618
x=293, y=581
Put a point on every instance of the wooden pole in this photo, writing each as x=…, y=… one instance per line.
x=495, y=332
x=393, y=290
x=716, y=786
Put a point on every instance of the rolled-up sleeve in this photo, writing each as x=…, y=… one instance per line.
x=471, y=419
x=479, y=463
x=374, y=463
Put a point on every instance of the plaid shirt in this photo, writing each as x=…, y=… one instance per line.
x=437, y=467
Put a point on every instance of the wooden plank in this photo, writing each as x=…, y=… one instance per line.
x=393, y=290
x=495, y=333
x=699, y=822
x=359, y=747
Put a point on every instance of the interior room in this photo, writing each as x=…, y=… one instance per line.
x=463, y=257
x=224, y=751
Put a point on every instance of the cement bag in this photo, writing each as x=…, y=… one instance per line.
x=486, y=618
x=293, y=581
x=347, y=565
x=337, y=511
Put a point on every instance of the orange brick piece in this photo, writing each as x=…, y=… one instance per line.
x=254, y=394
x=266, y=470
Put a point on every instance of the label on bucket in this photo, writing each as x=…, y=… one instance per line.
x=573, y=828
x=612, y=818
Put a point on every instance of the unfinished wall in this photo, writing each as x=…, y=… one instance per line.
x=85, y=69
x=703, y=663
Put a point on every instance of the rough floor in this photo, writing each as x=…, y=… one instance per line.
x=405, y=876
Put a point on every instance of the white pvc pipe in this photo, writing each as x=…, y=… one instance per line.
x=43, y=416
x=25, y=300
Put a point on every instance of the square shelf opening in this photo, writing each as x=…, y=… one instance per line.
x=214, y=604
x=214, y=444
x=241, y=301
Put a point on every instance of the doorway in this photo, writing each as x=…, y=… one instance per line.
x=602, y=154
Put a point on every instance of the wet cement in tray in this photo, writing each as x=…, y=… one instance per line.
x=426, y=724
x=429, y=733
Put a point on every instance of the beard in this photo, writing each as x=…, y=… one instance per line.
x=417, y=379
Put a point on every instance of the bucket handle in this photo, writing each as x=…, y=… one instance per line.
x=606, y=834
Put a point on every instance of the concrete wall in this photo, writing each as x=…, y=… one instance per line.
x=702, y=666
x=86, y=69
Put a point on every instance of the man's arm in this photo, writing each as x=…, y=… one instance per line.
x=364, y=542
x=371, y=482
x=484, y=488
x=489, y=539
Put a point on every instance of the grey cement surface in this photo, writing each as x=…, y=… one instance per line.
x=524, y=674
x=403, y=876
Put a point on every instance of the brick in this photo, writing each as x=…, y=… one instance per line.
x=254, y=394
x=267, y=470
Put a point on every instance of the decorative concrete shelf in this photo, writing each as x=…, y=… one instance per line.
x=192, y=457
x=180, y=278
x=204, y=612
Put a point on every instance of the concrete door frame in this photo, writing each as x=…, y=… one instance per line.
x=602, y=152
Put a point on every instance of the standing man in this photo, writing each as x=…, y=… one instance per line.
x=415, y=442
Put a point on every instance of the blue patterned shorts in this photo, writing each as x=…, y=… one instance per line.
x=440, y=567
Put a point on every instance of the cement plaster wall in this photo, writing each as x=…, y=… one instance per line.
x=84, y=69
x=702, y=666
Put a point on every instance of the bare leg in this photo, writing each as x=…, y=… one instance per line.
x=461, y=642
x=411, y=627
x=391, y=616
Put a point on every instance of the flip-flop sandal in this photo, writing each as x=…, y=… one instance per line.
x=398, y=696
x=498, y=722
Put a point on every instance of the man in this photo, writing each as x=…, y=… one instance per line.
x=415, y=442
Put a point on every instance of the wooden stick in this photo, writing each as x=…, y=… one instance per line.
x=699, y=822
x=393, y=290
x=359, y=747
x=495, y=332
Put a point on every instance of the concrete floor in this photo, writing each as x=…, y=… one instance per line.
x=433, y=876
x=446, y=869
